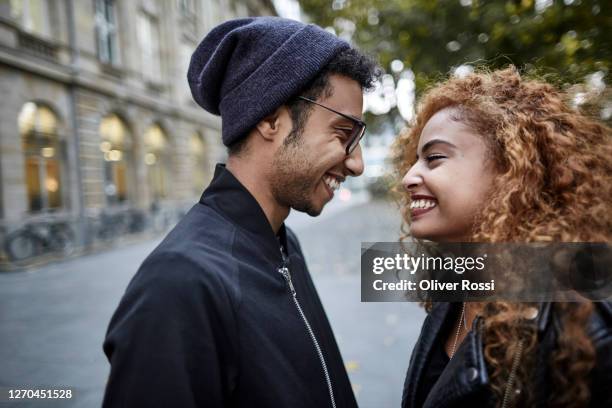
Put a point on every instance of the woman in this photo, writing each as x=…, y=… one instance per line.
x=493, y=157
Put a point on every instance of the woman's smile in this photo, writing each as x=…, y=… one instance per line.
x=421, y=204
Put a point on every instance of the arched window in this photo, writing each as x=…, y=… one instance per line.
x=197, y=151
x=38, y=127
x=116, y=147
x=157, y=159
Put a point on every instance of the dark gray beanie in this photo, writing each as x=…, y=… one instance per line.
x=244, y=69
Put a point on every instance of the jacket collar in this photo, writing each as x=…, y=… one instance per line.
x=227, y=196
x=424, y=346
x=467, y=371
x=543, y=319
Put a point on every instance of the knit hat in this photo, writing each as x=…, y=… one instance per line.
x=244, y=69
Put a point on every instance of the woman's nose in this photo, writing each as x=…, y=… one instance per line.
x=412, y=179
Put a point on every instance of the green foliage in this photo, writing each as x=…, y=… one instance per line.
x=432, y=36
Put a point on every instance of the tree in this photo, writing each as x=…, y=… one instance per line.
x=565, y=40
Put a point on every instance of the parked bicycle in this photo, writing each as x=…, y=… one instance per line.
x=39, y=238
x=108, y=226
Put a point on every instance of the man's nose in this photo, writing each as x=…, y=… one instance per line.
x=413, y=178
x=354, y=162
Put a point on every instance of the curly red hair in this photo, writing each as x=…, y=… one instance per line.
x=552, y=185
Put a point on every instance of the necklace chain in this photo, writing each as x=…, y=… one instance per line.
x=461, y=320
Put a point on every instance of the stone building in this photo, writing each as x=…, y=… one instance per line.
x=96, y=116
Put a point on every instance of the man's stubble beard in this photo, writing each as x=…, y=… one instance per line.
x=292, y=183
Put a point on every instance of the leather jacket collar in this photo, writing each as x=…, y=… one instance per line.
x=465, y=381
x=468, y=361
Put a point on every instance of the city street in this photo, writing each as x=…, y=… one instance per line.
x=114, y=114
x=53, y=319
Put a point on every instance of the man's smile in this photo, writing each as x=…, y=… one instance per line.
x=332, y=183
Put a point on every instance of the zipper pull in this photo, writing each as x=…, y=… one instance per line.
x=287, y=275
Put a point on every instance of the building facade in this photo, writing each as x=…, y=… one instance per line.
x=96, y=116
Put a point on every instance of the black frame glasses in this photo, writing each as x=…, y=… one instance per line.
x=357, y=132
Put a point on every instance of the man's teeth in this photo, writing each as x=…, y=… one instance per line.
x=422, y=204
x=331, y=182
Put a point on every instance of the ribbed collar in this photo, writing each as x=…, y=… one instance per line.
x=229, y=197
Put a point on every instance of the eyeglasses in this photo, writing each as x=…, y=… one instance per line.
x=357, y=132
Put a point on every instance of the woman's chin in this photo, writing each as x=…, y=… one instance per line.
x=434, y=236
x=420, y=233
x=421, y=229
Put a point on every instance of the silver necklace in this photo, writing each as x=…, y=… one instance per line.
x=461, y=323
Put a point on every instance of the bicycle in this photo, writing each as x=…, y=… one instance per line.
x=39, y=238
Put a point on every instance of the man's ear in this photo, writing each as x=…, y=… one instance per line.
x=272, y=126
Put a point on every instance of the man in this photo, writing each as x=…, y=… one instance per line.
x=223, y=313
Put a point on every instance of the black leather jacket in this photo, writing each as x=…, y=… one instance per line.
x=465, y=380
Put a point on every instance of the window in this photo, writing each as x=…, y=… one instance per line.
x=32, y=15
x=157, y=161
x=148, y=39
x=106, y=31
x=116, y=149
x=186, y=7
x=197, y=152
x=43, y=157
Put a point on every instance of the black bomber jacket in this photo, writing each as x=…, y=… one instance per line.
x=217, y=316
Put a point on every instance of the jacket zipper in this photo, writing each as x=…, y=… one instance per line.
x=511, y=378
x=284, y=270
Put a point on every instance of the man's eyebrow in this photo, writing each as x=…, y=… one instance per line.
x=432, y=142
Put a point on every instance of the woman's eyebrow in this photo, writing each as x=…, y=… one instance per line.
x=432, y=142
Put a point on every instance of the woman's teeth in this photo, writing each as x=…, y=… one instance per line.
x=331, y=182
x=422, y=204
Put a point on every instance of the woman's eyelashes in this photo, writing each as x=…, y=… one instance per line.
x=433, y=157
